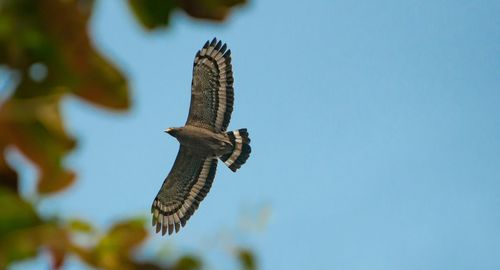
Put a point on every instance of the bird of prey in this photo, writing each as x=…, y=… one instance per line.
x=203, y=140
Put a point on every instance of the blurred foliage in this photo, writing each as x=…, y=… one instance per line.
x=46, y=43
x=156, y=13
x=247, y=259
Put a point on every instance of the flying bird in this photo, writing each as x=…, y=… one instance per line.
x=203, y=140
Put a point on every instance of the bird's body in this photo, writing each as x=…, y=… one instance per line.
x=203, y=140
x=207, y=142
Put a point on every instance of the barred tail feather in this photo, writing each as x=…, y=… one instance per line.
x=241, y=149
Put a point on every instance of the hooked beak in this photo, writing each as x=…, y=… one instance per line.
x=169, y=130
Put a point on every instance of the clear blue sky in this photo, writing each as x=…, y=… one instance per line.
x=375, y=128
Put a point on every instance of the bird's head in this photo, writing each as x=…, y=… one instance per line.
x=172, y=131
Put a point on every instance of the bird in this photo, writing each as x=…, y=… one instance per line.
x=203, y=140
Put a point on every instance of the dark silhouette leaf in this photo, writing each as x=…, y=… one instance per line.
x=209, y=9
x=247, y=259
x=8, y=177
x=154, y=14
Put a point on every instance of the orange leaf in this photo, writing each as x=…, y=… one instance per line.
x=93, y=78
x=51, y=37
x=35, y=127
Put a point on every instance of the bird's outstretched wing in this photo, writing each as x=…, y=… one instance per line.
x=212, y=88
x=185, y=187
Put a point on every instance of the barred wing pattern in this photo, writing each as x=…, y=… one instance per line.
x=212, y=88
x=185, y=187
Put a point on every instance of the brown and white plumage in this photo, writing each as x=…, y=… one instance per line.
x=203, y=140
x=212, y=88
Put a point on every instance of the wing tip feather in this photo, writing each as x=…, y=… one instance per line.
x=169, y=219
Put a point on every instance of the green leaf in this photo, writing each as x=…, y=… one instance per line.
x=187, y=263
x=78, y=225
x=22, y=232
x=124, y=236
x=15, y=213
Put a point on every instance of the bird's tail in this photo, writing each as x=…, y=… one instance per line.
x=241, y=149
